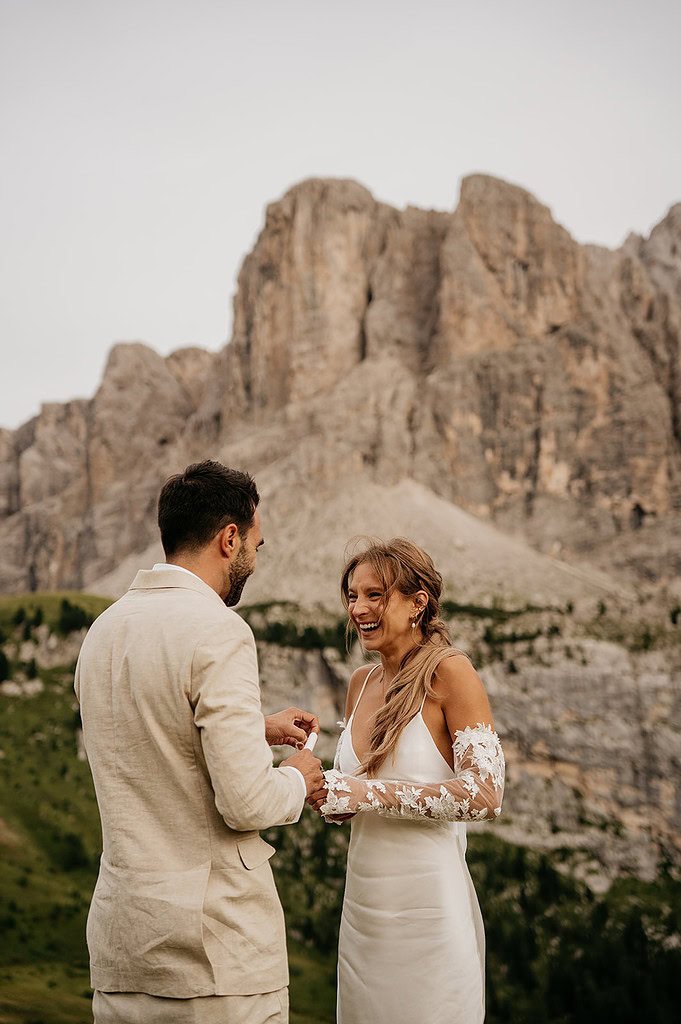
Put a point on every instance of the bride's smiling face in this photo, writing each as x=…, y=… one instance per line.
x=382, y=626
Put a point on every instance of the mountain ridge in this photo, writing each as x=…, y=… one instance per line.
x=484, y=354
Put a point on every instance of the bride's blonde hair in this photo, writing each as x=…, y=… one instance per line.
x=403, y=567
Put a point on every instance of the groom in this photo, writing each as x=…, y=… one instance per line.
x=185, y=922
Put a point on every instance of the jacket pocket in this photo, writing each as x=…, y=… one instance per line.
x=254, y=852
x=147, y=919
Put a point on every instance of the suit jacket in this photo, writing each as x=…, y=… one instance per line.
x=185, y=903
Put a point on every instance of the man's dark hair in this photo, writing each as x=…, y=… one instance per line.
x=195, y=505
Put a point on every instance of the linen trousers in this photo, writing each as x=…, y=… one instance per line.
x=141, y=1008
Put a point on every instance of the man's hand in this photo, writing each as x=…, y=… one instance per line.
x=310, y=767
x=292, y=726
x=318, y=798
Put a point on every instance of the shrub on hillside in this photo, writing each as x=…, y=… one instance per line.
x=288, y=634
x=70, y=853
x=72, y=617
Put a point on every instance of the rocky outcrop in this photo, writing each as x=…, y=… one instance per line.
x=593, y=747
x=81, y=479
x=483, y=354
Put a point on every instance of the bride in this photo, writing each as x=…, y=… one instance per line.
x=417, y=759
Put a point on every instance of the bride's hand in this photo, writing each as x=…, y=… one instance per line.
x=292, y=726
x=318, y=798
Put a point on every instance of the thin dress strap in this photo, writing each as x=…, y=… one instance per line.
x=423, y=703
x=366, y=680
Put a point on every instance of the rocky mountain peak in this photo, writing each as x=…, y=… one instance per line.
x=480, y=353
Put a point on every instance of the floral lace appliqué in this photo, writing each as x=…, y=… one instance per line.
x=473, y=794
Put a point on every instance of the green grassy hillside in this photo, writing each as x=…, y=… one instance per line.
x=48, y=607
x=556, y=952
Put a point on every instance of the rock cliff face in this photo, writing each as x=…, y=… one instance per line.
x=593, y=746
x=483, y=354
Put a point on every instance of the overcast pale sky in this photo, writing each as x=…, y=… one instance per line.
x=142, y=139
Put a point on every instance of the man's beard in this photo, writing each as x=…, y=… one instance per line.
x=241, y=570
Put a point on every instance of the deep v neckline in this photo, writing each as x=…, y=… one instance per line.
x=419, y=714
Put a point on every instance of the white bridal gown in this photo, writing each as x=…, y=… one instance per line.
x=412, y=943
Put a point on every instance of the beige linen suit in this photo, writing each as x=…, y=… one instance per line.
x=185, y=904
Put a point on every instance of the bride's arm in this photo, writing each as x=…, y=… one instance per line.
x=476, y=788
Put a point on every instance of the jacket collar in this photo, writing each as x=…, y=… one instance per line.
x=171, y=579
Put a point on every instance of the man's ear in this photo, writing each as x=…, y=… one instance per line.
x=229, y=540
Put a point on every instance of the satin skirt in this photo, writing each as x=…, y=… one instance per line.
x=412, y=944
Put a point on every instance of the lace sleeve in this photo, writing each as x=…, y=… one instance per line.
x=473, y=793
